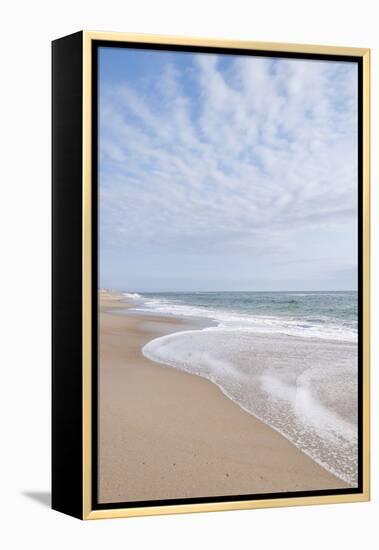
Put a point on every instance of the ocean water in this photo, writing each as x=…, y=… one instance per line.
x=331, y=315
x=288, y=358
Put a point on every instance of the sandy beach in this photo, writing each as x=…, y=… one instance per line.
x=166, y=434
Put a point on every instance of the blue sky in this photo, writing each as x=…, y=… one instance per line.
x=226, y=172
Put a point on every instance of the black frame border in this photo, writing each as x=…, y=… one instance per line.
x=67, y=255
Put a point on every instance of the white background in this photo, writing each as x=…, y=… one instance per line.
x=27, y=29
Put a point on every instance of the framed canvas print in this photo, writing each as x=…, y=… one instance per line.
x=210, y=275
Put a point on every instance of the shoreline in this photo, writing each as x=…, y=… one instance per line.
x=165, y=433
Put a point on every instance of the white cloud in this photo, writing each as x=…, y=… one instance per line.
x=235, y=158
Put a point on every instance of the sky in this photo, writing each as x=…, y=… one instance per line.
x=224, y=172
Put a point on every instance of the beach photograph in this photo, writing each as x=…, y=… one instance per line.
x=228, y=362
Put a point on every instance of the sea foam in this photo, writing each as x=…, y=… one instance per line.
x=132, y=295
x=304, y=328
x=303, y=388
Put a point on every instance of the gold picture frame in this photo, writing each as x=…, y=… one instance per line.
x=81, y=46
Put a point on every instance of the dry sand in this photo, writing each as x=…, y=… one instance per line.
x=166, y=434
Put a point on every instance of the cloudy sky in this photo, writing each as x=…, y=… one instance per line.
x=226, y=172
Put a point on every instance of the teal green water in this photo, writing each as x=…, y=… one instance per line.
x=331, y=315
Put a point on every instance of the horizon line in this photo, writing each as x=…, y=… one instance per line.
x=209, y=291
